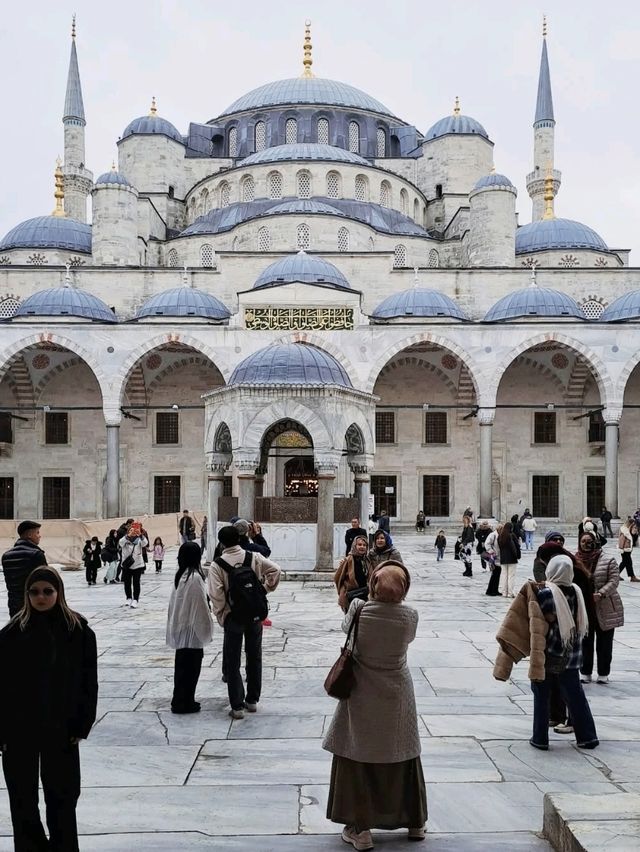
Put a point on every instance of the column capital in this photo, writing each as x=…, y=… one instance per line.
x=612, y=415
x=217, y=463
x=486, y=416
x=327, y=462
x=246, y=464
x=111, y=417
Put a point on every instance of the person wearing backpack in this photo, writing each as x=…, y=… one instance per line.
x=238, y=584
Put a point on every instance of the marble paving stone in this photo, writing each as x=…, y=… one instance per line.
x=457, y=705
x=518, y=761
x=115, y=728
x=453, y=759
x=477, y=682
x=259, y=726
x=194, y=729
x=482, y=727
x=619, y=760
x=119, y=689
x=133, y=766
x=596, y=836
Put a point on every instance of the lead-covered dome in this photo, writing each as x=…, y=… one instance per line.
x=290, y=364
x=183, y=302
x=304, y=268
x=65, y=302
x=304, y=151
x=152, y=124
x=534, y=302
x=112, y=178
x=461, y=125
x=557, y=234
x=418, y=302
x=626, y=307
x=306, y=91
x=494, y=179
x=57, y=232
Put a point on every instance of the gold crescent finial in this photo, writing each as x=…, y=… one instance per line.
x=73, y=26
x=154, y=109
x=456, y=108
x=59, y=190
x=544, y=26
x=548, y=194
x=307, y=59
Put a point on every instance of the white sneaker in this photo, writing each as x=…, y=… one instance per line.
x=236, y=714
x=359, y=840
x=563, y=729
x=134, y=604
x=128, y=602
x=251, y=707
x=585, y=678
x=602, y=679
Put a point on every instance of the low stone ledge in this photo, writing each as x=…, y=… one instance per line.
x=576, y=822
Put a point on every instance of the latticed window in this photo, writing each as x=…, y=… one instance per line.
x=225, y=194
x=381, y=143
x=248, y=189
x=264, y=239
x=354, y=137
x=597, y=428
x=275, y=185
x=435, y=496
x=592, y=308
x=569, y=261
x=385, y=494
x=385, y=427
x=260, y=136
x=546, y=496
x=56, y=494
x=56, y=427
x=400, y=256
x=8, y=307
x=544, y=427
x=304, y=237
x=206, y=255
x=385, y=194
x=304, y=185
x=166, y=494
x=172, y=258
x=343, y=239
x=291, y=131
x=323, y=131
x=6, y=498
x=167, y=427
x=435, y=427
x=404, y=201
x=361, y=188
x=37, y=259
x=333, y=185
x=232, y=144
x=6, y=427
x=434, y=259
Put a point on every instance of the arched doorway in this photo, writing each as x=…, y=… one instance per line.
x=287, y=462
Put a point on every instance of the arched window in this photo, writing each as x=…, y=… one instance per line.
x=323, y=131
x=372, y=244
x=362, y=188
x=225, y=194
x=291, y=131
x=192, y=208
x=304, y=237
x=274, y=182
x=399, y=256
x=434, y=259
x=354, y=137
x=248, y=189
x=404, y=201
x=381, y=143
x=385, y=194
x=172, y=258
x=8, y=307
x=260, y=136
x=204, y=201
x=343, y=239
x=264, y=239
x=206, y=256
x=333, y=185
x=232, y=142
x=304, y=184
x=416, y=210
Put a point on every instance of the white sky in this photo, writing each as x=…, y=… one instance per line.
x=198, y=56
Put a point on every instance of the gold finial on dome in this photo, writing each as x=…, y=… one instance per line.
x=73, y=26
x=59, y=190
x=456, y=108
x=544, y=26
x=113, y=166
x=548, y=194
x=307, y=60
x=153, y=109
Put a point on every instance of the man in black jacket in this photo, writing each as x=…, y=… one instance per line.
x=19, y=562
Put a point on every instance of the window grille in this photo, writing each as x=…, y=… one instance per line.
x=167, y=427
x=166, y=494
x=206, y=255
x=172, y=258
x=233, y=142
x=56, y=493
x=435, y=496
x=323, y=131
x=592, y=308
x=385, y=194
x=597, y=428
x=434, y=259
x=545, y=502
x=333, y=185
x=260, y=136
x=248, y=189
x=361, y=188
x=225, y=194
x=385, y=427
x=435, y=427
x=8, y=307
x=6, y=498
x=343, y=239
x=354, y=137
x=304, y=237
x=291, y=131
x=399, y=256
x=304, y=185
x=275, y=185
x=37, y=259
x=595, y=495
x=385, y=494
x=381, y=143
x=264, y=239
x=56, y=429
x=544, y=427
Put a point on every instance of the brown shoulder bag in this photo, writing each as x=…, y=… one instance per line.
x=341, y=678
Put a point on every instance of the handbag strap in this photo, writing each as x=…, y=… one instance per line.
x=353, y=628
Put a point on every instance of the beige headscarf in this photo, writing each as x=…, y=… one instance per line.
x=559, y=572
x=389, y=583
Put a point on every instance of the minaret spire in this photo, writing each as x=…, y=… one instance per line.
x=73, y=104
x=544, y=103
x=77, y=179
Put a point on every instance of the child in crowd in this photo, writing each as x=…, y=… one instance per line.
x=158, y=553
x=440, y=544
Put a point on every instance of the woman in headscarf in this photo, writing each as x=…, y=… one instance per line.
x=563, y=607
x=509, y=546
x=48, y=672
x=189, y=627
x=376, y=774
x=604, y=608
x=352, y=574
x=467, y=537
x=383, y=550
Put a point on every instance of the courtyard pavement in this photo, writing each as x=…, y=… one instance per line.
x=154, y=781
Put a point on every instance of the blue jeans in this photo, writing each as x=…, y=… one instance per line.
x=528, y=539
x=576, y=700
x=440, y=554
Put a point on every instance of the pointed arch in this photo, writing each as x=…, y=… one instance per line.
x=290, y=409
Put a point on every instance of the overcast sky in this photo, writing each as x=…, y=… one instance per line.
x=198, y=56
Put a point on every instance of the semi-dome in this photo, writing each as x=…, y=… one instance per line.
x=57, y=232
x=418, y=302
x=461, y=125
x=304, y=151
x=494, y=179
x=534, y=302
x=152, y=124
x=304, y=205
x=304, y=268
x=65, y=302
x=112, y=178
x=290, y=364
x=307, y=91
x=557, y=234
x=183, y=302
x=626, y=307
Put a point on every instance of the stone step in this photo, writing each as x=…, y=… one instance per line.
x=579, y=822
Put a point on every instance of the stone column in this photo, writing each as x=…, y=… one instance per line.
x=246, y=468
x=215, y=491
x=611, y=417
x=260, y=474
x=327, y=469
x=113, y=470
x=485, y=420
x=362, y=488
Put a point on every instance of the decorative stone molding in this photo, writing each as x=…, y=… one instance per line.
x=612, y=415
x=217, y=464
x=327, y=462
x=246, y=464
x=486, y=416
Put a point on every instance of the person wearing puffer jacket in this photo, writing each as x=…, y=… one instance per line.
x=383, y=550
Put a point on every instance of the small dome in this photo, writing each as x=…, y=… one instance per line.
x=290, y=364
x=626, y=307
x=304, y=205
x=418, y=302
x=152, y=124
x=49, y=232
x=534, y=302
x=494, y=179
x=306, y=90
x=65, y=302
x=112, y=178
x=183, y=302
x=304, y=151
x=462, y=125
x=557, y=234
x=304, y=268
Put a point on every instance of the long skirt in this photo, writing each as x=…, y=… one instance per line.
x=377, y=795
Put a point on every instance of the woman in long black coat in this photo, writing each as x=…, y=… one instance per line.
x=48, y=672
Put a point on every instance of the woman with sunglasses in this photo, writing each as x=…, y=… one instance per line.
x=48, y=672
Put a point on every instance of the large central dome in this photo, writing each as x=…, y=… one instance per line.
x=307, y=90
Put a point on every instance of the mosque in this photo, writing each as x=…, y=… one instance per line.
x=307, y=297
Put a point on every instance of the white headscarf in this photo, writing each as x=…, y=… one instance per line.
x=559, y=572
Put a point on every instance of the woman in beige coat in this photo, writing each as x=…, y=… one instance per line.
x=376, y=774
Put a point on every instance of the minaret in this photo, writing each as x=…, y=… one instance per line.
x=543, y=138
x=77, y=179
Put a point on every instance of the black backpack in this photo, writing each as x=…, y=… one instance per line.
x=246, y=595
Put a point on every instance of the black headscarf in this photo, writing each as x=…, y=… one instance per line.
x=189, y=557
